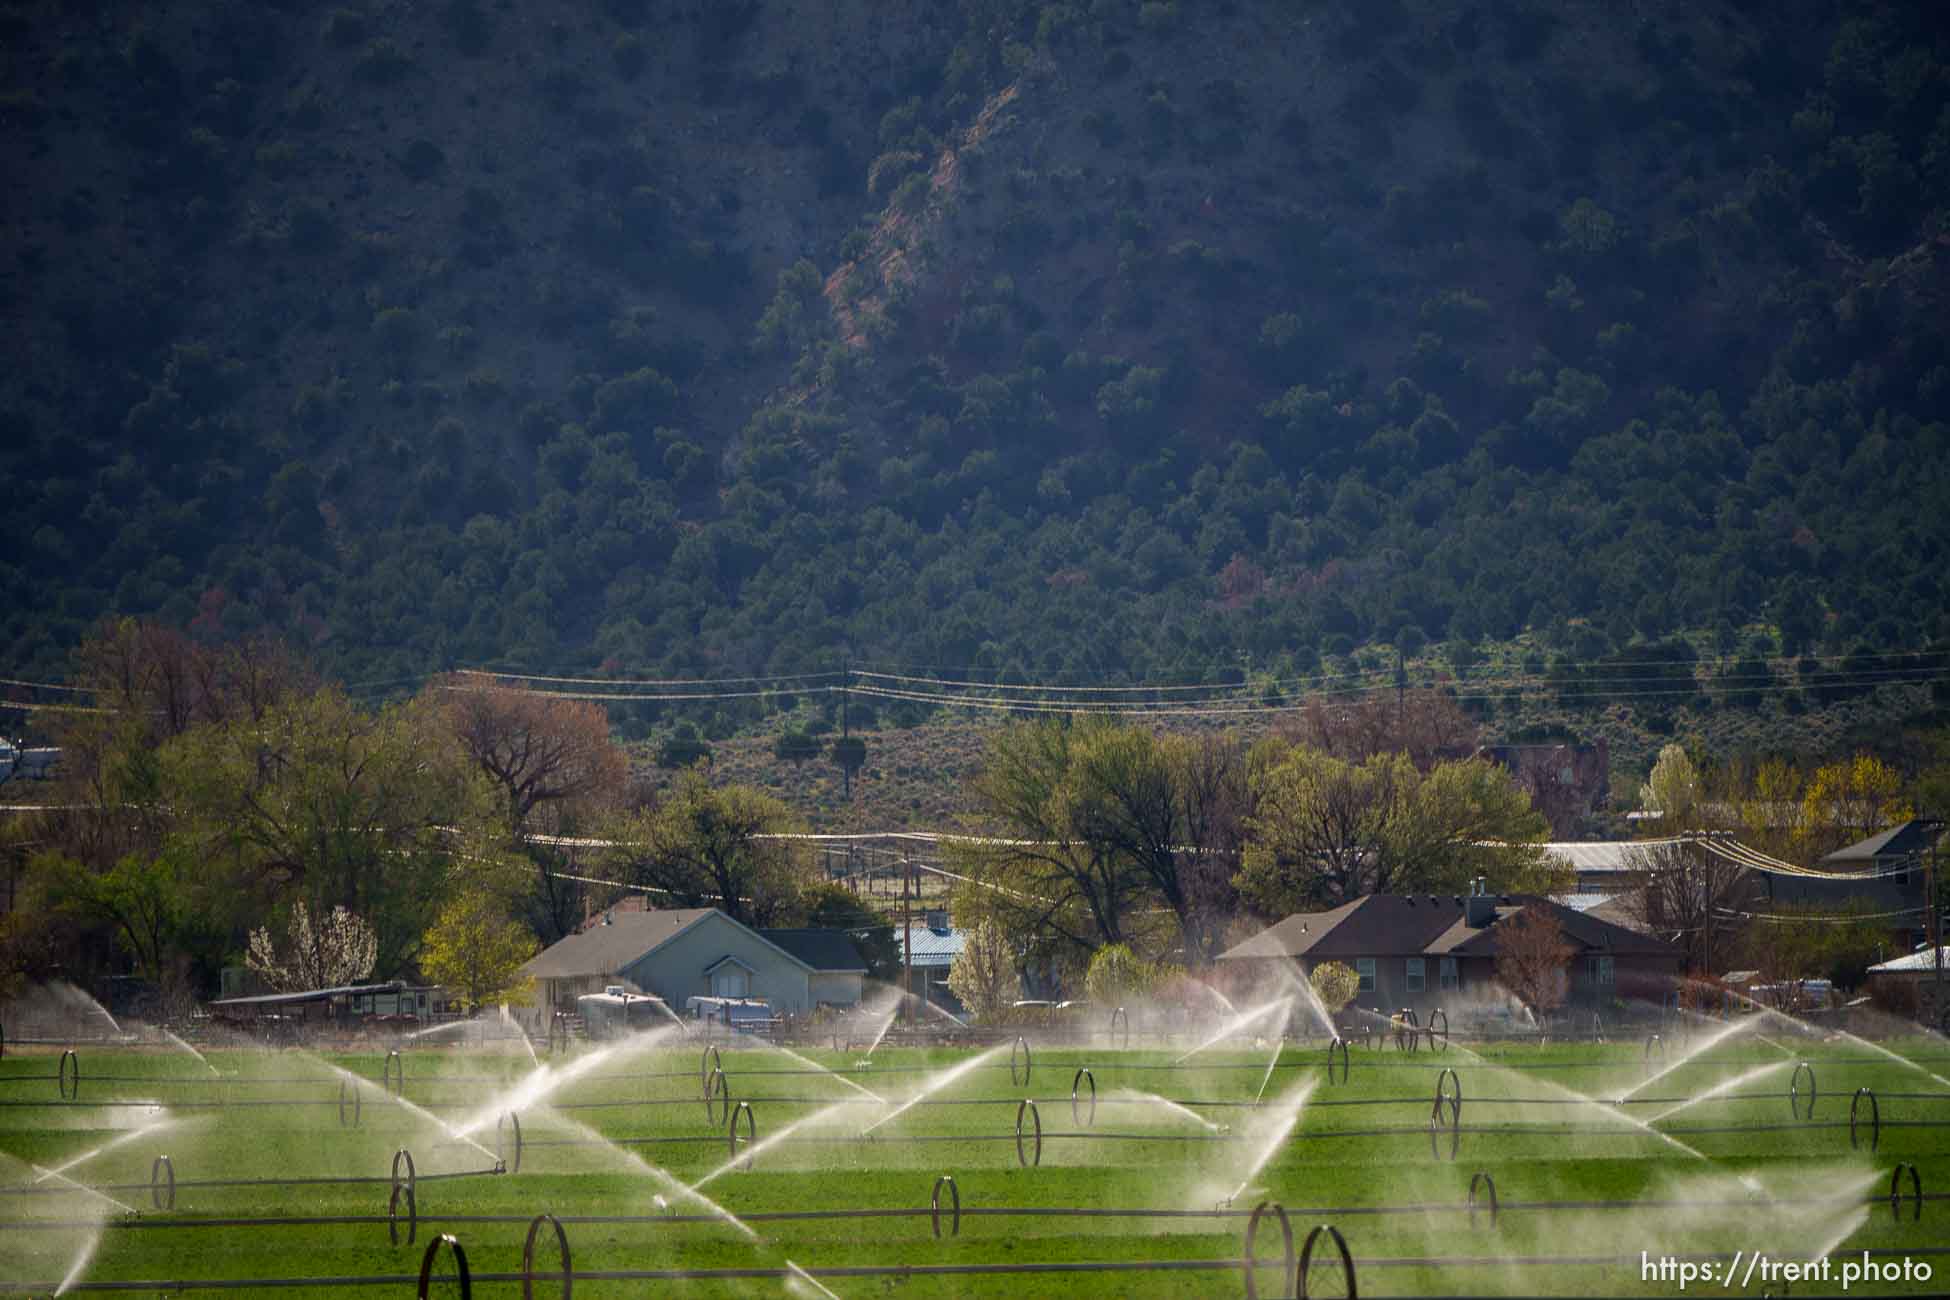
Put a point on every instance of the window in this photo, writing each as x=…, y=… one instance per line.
x=1416, y=969
x=1364, y=967
x=1446, y=971
x=730, y=981
x=1601, y=971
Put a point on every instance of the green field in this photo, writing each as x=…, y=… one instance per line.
x=618, y=1134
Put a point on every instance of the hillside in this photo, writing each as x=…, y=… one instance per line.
x=1098, y=340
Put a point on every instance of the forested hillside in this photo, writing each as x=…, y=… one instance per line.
x=1083, y=340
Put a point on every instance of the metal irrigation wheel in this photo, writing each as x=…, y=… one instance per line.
x=528, y=1257
x=1655, y=1048
x=717, y=1098
x=1794, y=1091
x=513, y=1121
x=392, y=1075
x=162, y=1183
x=404, y=1157
x=558, y=1033
x=1120, y=1018
x=1249, y=1262
x=460, y=1265
x=934, y=1205
x=1488, y=1184
x=1875, y=1118
x=1327, y=1280
x=1332, y=1045
x=345, y=1086
x=751, y=1131
x=1019, y=1075
x=68, y=1080
x=1023, y=1158
x=1896, y=1194
x=403, y=1192
x=1597, y=1028
x=1448, y=1092
x=1439, y=1035
x=1077, y=1115
x=713, y=1059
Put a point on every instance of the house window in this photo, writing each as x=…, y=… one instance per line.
x=1601, y=971
x=1364, y=967
x=1417, y=972
x=729, y=981
x=1446, y=971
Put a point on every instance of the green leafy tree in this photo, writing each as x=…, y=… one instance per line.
x=717, y=846
x=1335, y=984
x=984, y=974
x=475, y=950
x=1118, y=975
x=1326, y=831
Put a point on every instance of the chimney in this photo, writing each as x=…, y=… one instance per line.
x=1479, y=909
x=936, y=918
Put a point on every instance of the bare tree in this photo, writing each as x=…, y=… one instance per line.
x=984, y=975
x=1531, y=955
x=1424, y=724
x=1685, y=894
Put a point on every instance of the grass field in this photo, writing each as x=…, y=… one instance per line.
x=1707, y=1157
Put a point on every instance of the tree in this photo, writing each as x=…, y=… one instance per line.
x=337, y=950
x=540, y=751
x=554, y=765
x=1849, y=801
x=1531, y=955
x=1684, y=893
x=1426, y=725
x=1118, y=975
x=1335, y=984
x=707, y=846
x=683, y=747
x=321, y=801
x=1673, y=788
x=148, y=900
x=475, y=950
x=984, y=973
x=1325, y=831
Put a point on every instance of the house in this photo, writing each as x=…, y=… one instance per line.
x=936, y=944
x=1427, y=950
x=683, y=953
x=1918, y=983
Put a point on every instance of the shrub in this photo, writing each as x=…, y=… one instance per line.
x=1335, y=984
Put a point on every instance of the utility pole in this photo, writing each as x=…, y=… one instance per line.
x=907, y=943
x=846, y=772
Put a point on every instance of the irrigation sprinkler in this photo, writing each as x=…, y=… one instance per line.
x=1303, y=1285
x=1442, y=1035
x=1082, y=1076
x=1655, y=1050
x=713, y=1059
x=358, y=1105
x=1875, y=1118
x=1794, y=1091
x=1597, y=1028
x=1120, y=1018
x=528, y=1257
x=751, y=1131
x=1249, y=1262
x=68, y=1079
x=1448, y=1092
x=162, y=1183
x=513, y=1122
x=392, y=1074
x=460, y=1264
x=934, y=1206
x=1020, y=1049
x=717, y=1098
x=1482, y=1177
x=1896, y=1195
x=1337, y=1042
x=1023, y=1158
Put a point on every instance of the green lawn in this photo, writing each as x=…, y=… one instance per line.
x=622, y=1134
